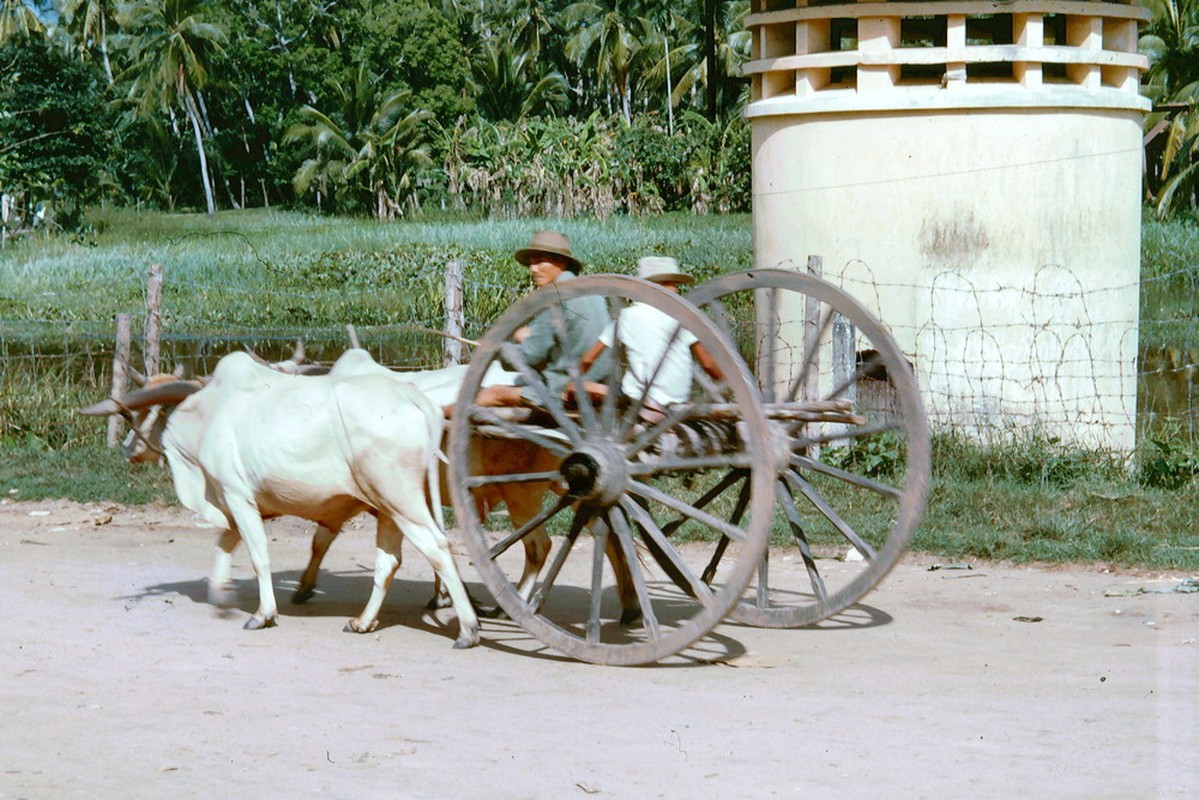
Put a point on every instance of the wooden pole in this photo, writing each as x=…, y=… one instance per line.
x=455, y=320
x=845, y=362
x=153, y=318
x=120, y=380
x=811, y=343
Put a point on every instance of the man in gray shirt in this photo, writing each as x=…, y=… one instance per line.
x=551, y=262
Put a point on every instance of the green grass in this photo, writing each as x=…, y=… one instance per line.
x=288, y=269
x=31, y=471
x=1023, y=499
x=1170, y=285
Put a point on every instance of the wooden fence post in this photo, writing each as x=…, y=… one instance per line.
x=811, y=342
x=455, y=320
x=153, y=330
x=845, y=364
x=120, y=381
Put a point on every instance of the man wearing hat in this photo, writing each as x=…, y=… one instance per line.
x=645, y=333
x=550, y=261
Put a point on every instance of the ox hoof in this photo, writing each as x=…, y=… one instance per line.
x=222, y=596
x=437, y=601
x=302, y=596
x=257, y=623
x=492, y=612
x=358, y=626
x=465, y=641
x=630, y=616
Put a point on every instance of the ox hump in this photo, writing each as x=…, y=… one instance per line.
x=356, y=361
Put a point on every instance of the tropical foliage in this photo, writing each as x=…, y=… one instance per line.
x=1172, y=43
x=532, y=106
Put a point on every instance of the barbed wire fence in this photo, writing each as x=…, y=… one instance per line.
x=1065, y=369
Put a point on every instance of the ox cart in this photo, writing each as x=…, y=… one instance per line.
x=812, y=453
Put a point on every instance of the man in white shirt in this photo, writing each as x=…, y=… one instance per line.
x=645, y=333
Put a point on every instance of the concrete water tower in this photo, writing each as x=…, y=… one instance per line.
x=971, y=171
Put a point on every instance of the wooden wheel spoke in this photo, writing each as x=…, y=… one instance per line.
x=854, y=432
x=687, y=510
x=620, y=526
x=545, y=398
x=549, y=476
x=582, y=399
x=673, y=417
x=691, y=463
x=783, y=493
x=826, y=510
x=502, y=546
x=809, y=356
x=859, y=372
x=765, y=350
x=516, y=430
x=727, y=481
x=667, y=557
x=632, y=413
x=803, y=462
x=537, y=600
x=718, y=554
x=599, y=530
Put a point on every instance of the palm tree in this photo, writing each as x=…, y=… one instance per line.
x=607, y=37
x=507, y=88
x=88, y=21
x=18, y=19
x=697, y=74
x=1171, y=41
x=169, y=46
x=368, y=146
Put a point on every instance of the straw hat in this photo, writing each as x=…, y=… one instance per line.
x=553, y=243
x=661, y=269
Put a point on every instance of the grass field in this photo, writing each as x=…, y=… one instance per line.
x=1023, y=499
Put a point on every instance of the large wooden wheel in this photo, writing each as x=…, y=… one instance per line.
x=627, y=480
x=854, y=490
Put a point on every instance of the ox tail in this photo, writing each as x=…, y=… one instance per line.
x=432, y=467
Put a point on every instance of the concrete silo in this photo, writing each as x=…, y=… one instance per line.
x=971, y=171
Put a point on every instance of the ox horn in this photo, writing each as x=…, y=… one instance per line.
x=299, y=355
x=137, y=377
x=166, y=394
x=255, y=356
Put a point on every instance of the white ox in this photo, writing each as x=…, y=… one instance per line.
x=489, y=456
x=255, y=443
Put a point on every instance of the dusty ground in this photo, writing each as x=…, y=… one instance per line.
x=117, y=679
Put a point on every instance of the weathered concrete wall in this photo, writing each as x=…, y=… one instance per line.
x=993, y=225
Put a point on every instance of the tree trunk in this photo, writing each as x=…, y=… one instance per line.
x=710, y=55
x=104, y=49
x=190, y=105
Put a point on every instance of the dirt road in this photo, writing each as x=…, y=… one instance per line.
x=117, y=679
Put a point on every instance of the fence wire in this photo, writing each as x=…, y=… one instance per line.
x=1073, y=350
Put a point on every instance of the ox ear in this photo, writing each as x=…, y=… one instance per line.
x=178, y=371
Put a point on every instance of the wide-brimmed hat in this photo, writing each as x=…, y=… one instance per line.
x=661, y=269
x=553, y=243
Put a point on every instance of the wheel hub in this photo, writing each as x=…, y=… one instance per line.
x=596, y=473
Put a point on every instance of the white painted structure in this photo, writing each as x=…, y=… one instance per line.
x=971, y=171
